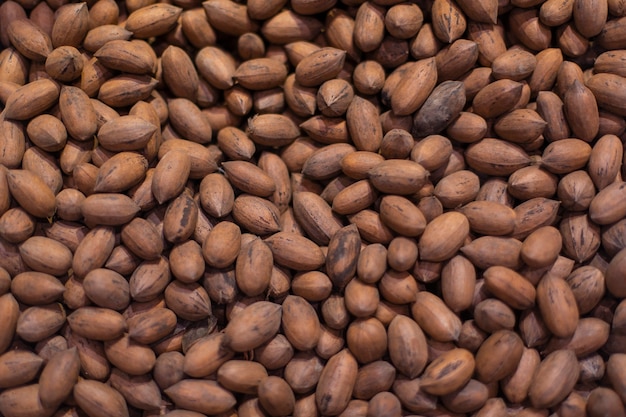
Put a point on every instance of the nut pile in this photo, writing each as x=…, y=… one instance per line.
x=312, y=208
